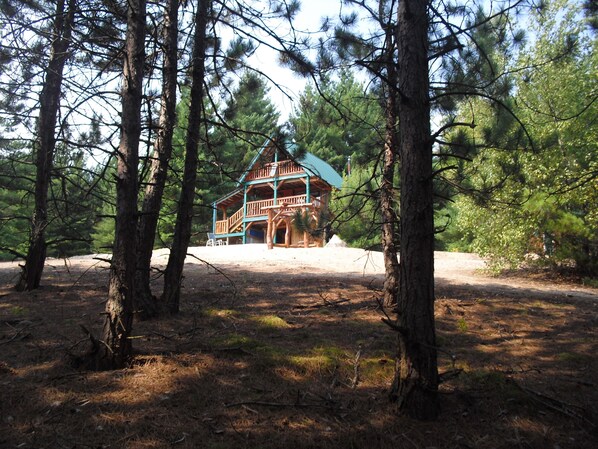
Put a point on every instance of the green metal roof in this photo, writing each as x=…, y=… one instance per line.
x=315, y=166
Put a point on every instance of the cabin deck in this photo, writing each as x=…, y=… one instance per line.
x=258, y=211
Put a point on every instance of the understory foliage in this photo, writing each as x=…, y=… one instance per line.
x=536, y=200
x=71, y=206
x=357, y=210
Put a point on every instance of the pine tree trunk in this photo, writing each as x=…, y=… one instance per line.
x=387, y=190
x=182, y=231
x=45, y=145
x=416, y=378
x=146, y=304
x=116, y=350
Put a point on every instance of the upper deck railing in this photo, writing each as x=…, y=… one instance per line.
x=273, y=169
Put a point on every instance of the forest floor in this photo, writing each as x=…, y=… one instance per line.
x=286, y=348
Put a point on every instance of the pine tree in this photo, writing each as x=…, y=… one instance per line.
x=115, y=352
x=163, y=147
x=196, y=123
x=337, y=120
x=45, y=142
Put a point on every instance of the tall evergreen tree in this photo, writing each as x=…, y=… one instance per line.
x=116, y=349
x=50, y=91
x=196, y=123
x=337, y=120
x=342, y=122
x=45, y=142
x=416, y=376
x=406, y=38
x=248, y=119
x=152, y=200
x=239, y=18
x=376, y=52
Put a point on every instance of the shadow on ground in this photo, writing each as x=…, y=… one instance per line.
x=301, y=360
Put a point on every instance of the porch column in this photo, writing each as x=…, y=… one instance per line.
x=214, y=217
x=244, y=214
x=269, y=230
x=307, y=191
x=225, y=218
x=287, y=232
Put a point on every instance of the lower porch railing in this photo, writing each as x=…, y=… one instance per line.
x=255, y=209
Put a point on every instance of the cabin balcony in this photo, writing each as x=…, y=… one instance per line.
x=234, y=223
x=275, y=169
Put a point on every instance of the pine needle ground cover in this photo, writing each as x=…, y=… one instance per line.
x=285, y=357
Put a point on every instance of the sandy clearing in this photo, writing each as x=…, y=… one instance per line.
x=454, y=269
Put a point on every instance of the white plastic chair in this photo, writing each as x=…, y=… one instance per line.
x=211, y=239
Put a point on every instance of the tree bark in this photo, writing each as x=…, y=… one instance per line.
x=117, y=349
x=415, y=386
x=146, y=304
x=45, y=144
x=387, y=190
x=182, y=230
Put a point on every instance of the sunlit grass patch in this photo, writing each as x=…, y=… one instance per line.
x=581, y=340
x=373, y=369
x=539, y=304
x=18, y=311
x=235, y=340
x=271, y=322
x=321, y=359
x=312, y=364
x=261, y=353
x=462, y=325
x=221, y=313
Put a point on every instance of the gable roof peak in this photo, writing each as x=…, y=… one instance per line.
x=313, y=165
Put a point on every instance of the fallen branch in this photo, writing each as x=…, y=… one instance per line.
x=555, y=404
x=449, y=375
x=278, y=404
x=16, y=337
x=356, y=367
x=19, y=334
x=217, y=270
x=319, y=306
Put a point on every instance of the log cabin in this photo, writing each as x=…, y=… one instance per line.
x=278, y=181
